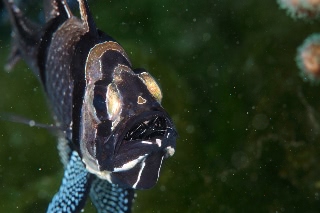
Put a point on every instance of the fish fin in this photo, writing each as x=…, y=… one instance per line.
x=87, y=18
x=22, y=26
x=13, y=58
x=25, y=36
x=20, y=119
x=54, y=8
x=65, y=150
x=109, y=197
x=74, y=188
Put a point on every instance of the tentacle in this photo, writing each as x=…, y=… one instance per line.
x=110, y=198
x=74, y=189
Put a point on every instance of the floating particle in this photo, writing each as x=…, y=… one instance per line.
x=301, y=8
x=308, y=58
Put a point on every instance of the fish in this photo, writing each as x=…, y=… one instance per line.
x=113, y=131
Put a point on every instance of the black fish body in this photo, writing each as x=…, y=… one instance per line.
x=114, y=131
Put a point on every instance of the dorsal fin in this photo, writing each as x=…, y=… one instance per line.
x=54, y=8
x=86, y=17
x=13, y=58
x=22, y=25
x=22, y=29
x=63, y=7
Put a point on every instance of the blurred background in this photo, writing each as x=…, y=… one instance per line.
x=249, y=125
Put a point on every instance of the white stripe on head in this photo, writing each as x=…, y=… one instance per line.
x=140, y=172
x=158, y=141
x=146, y=142
x=160, y=168
x=130, y=164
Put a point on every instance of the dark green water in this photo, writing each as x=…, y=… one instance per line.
x=249, y=125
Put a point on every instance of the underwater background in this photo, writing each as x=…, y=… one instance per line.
x=249, y=125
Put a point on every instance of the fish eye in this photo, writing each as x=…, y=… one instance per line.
x=113, y=102
x=152, y=85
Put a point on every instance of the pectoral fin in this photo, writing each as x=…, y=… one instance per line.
x=74, y=188
x=109, y=197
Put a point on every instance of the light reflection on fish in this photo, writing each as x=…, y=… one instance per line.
x=115, y=133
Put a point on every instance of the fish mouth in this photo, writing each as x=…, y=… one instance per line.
x=147, y=130
x=141, y=149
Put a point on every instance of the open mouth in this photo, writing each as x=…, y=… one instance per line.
x=140, y=140
x=141, y=149
x=148, y=129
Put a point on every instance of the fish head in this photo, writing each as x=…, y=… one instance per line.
x=125, y=132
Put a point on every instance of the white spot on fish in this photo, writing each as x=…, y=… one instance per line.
x=170, y=150
x=158, y=141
